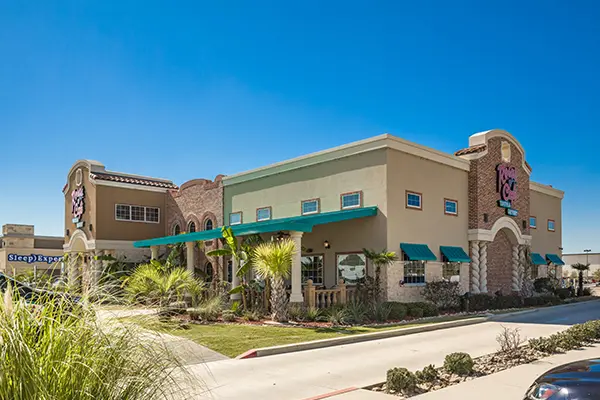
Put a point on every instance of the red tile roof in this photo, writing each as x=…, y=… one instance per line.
x=132, y=180
x=470, y=150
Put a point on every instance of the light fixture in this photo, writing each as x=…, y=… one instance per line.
x=326, y=244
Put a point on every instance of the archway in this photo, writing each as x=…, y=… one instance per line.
x=500, y=262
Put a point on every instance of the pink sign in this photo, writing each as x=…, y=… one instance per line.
x=507, y=182
x=77, y=202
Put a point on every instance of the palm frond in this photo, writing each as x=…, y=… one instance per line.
x=274, y=259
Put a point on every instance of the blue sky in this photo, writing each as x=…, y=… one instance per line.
x=191, y=89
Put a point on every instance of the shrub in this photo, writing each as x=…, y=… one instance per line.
x=510, y=341
x=415, y=312
x=313, y=314
x=229, y=316
x=380, y=312
x=429, y=309
x=535, y=301
x=338, y=316
x=398, y=310
x=459, y=364
x=551, y=300
x=567, y=341
x=428, y=375
x=208, y=310
x=586, y=291
x=480, y=302
x=296, y=312
x=401, y=380
x=542, y=285
x=583, y=333
x=444, y=294
x=504, y=302
x=251, y=315
x=565, y=293
x=356, y=312
x=546, y=345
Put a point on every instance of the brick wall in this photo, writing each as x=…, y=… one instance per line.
x=500, y=264
x=197, y=200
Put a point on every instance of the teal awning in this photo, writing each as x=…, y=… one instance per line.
x=554, y=259
x=537, y=259
x=417, y=252
x=455, y=254
x=303, y=223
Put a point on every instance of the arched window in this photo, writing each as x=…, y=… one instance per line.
x=209, y=272
x=191, y=227
x=208, y=224
x=176, y=229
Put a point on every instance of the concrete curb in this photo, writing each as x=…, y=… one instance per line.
x=318, y=344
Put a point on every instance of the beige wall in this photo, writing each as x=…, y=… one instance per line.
x=327, y=181
x=16, y=267
x=430, y=225
x=544, y=207
x=109, y=228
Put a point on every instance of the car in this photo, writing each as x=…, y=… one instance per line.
x=579, y=380
x=34, y=295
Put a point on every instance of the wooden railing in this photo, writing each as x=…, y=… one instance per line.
x=324, y=298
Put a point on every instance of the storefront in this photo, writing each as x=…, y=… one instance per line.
x=473, y=216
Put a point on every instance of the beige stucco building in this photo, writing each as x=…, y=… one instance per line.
x=473, y=216
x=22, y=251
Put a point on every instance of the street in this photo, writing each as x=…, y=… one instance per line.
x=302, y=375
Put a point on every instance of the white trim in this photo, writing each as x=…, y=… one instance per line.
x=264, y=219
x=131, y=186
x=78, y=234
x=132, y=220
x=385, y=141
x=546, y=189
x=237, y=223
x=419, y=195
x=483, y=137
x=359, y=193
x=302, y=202
x=450, y=212
x=501, y=223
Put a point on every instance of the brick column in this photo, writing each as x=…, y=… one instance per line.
x=483, y=267
x=475, y=276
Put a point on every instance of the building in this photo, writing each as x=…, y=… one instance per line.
x=22, y=251
x=473, y=216
x=593, y=259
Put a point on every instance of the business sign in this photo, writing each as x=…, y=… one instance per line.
x=78, y=206
x=507, y=187
x=34, y=258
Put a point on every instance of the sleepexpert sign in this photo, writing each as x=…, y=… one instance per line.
x=34, y=258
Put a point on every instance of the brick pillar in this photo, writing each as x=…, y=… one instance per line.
x=483, y=267
x=475, y=276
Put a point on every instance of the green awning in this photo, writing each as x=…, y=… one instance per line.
x=554, y=259
x=455, y=254
x=303, y=223
x=537, y=259
x=417, y=252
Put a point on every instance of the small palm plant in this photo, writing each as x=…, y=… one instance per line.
x=155, y=284
x=581, y=268
x=273, y=261
x=379, y=259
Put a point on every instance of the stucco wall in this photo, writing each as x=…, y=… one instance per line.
x=430, y=225
x=545, y=207
x=284, y=192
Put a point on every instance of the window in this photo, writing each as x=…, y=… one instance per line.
x=413, y=200
x=351, y=200
x=176, y=230
x=229, y=271
x=208, y=224
x=263, y=214
x=414, y=272
x=310, y=206
x=551, y=225
x=451, y=271
x=191, y=227
x=351, y=267
x=235, y=218
x=312, y=268
x=450, y=207
x=125, y=212
x=532, y=223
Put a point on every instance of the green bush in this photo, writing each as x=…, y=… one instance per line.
x=546, y=345
x=480, y=302
x=535, y=301
x=380, y=312
x=552, y=300
x=208, y=310
x=565, y=293
x=428, y=375
x=296, y=312
x=459, y=364
x=586, y=291
x=356, y=312
x=400, y=380
x=229, y=316
x=429, y=309
x=444, y=294
x=398, y=310
x=568, y=341
x=338, y=316
x=251, y=315
x=313, y=314
x=505, y=302
x=542, y=285
x=416, y=312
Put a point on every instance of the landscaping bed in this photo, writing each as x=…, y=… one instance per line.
x=513, y=351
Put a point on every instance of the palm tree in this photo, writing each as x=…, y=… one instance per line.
x=379, y=259
x=580, y=267
x=273, y=261
x=155, y=283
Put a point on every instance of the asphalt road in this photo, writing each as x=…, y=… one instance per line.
x=301, y=375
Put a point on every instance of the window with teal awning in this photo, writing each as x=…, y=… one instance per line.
x=554, y=259
x=454, y=254
x=537, y=259
x=417, y=252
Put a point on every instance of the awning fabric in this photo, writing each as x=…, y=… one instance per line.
x=537, y=259
x=455, y=254
x=554, y=259
x=417, y=252
x=303, y=223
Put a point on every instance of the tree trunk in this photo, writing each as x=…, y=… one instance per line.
x=278, y=300
x=580, y=286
